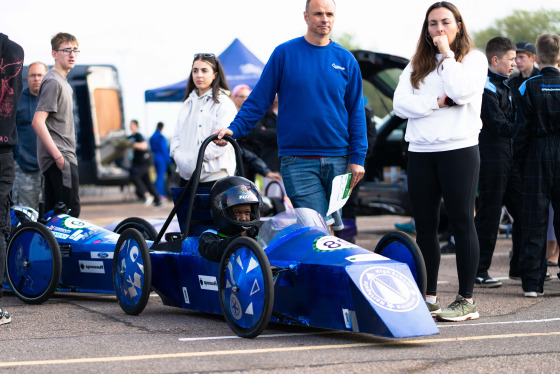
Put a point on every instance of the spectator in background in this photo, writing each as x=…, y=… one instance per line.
x=160, y=150
x=552, y=250
x=11, y=65
x=249, y=142
x=440, y=92
x=140, y=169
x=267, y=137
x=239, y=94
x=27, y=185
x=525, y=61
x=207, y=107
x=499, y=180
x=54, y=125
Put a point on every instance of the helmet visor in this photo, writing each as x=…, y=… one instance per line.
x=245, y=194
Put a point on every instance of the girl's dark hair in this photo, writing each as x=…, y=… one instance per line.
x=424, y=60
x=218, y=83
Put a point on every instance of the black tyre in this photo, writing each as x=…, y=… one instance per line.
x=33, y=263
x=144, y=227
x=246, y=287
x=132, y=272
x=400, y=247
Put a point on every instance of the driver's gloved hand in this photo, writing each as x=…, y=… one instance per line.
x=252, y=232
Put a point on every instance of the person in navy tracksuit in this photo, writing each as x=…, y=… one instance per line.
x=499, y=180
x=541, y=174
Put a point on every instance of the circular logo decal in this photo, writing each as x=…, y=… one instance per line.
x=235, y=307
x=74, y=223
x=330, y=244
x=389, y=289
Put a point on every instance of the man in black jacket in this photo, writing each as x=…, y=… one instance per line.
x=11, y=84
x=499, y=182
x=540, y=98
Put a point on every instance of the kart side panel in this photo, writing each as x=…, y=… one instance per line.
x=186, y=280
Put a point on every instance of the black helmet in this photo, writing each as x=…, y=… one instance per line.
x=229, y=192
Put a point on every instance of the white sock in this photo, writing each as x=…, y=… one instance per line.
x=431, y=299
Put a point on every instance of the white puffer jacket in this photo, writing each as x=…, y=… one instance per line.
x=198, y=118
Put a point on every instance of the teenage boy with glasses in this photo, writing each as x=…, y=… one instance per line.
x=54, y=124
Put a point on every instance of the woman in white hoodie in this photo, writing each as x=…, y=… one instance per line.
x=440, y=93
x=207, y=107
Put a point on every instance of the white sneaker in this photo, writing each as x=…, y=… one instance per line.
x=148, y=200
x=4, y=317
x=533, y=294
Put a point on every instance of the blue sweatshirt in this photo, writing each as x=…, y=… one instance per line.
x=25, y=153
x=320, y=104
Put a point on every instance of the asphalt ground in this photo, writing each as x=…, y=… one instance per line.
x=86, y=333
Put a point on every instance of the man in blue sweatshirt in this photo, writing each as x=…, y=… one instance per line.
x=321, y=124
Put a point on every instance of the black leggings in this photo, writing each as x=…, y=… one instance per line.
x=452, y=175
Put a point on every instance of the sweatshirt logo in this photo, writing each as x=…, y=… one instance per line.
x=338, y=67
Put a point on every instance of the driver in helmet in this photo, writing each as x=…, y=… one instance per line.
x=235, y=206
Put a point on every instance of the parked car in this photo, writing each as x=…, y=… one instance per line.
x=384, y=189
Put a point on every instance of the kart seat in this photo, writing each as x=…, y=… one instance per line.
x=201, y=217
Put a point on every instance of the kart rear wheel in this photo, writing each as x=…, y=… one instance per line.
x=132, y=272
x=246, y=287
x=144, y=227
x=400, y=247
x=34, y=263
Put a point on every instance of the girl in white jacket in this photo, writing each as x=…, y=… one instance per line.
x=440, y=93
x=207, y=107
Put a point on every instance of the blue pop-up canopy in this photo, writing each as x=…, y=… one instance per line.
x=240, y=65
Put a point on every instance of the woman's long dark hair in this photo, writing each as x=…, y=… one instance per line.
x=424, y=60
x=218, y=83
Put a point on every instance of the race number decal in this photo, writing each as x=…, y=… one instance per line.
x=330, y=244
x=390, y=289
x=75, y=223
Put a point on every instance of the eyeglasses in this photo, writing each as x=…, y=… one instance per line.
x=68, y=51
x=36, y=76
x=207, y=55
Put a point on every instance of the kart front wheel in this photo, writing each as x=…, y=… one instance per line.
x=132, y=272
x=400, y=247
x=34, y=263
x=246, y=288
x=144, y=227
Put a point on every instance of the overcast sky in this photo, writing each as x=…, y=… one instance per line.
x=152, y=42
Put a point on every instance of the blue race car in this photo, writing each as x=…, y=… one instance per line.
x=296, y=272
x=58, y=252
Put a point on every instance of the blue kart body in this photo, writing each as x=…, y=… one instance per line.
x=296, y=272
x=86, y=253
x=321, y=281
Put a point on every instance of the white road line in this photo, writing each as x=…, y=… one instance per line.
x=497, y=323
x=260, y=336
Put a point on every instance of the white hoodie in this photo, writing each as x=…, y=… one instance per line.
x=198, y=118
x=434, y=129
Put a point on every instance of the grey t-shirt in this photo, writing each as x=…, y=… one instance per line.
x=55, y=97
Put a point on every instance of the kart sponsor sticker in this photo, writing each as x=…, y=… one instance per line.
x=186, y=295
x=235, y=307
x=77, y=235
x=92, y=267
x=75, y=223
x=101, y=255
x=389, y=289
x=208, y=283
x=365, y=257
x=60, y=235
x=347, y=320
x=60, y=229
x=331, y=243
